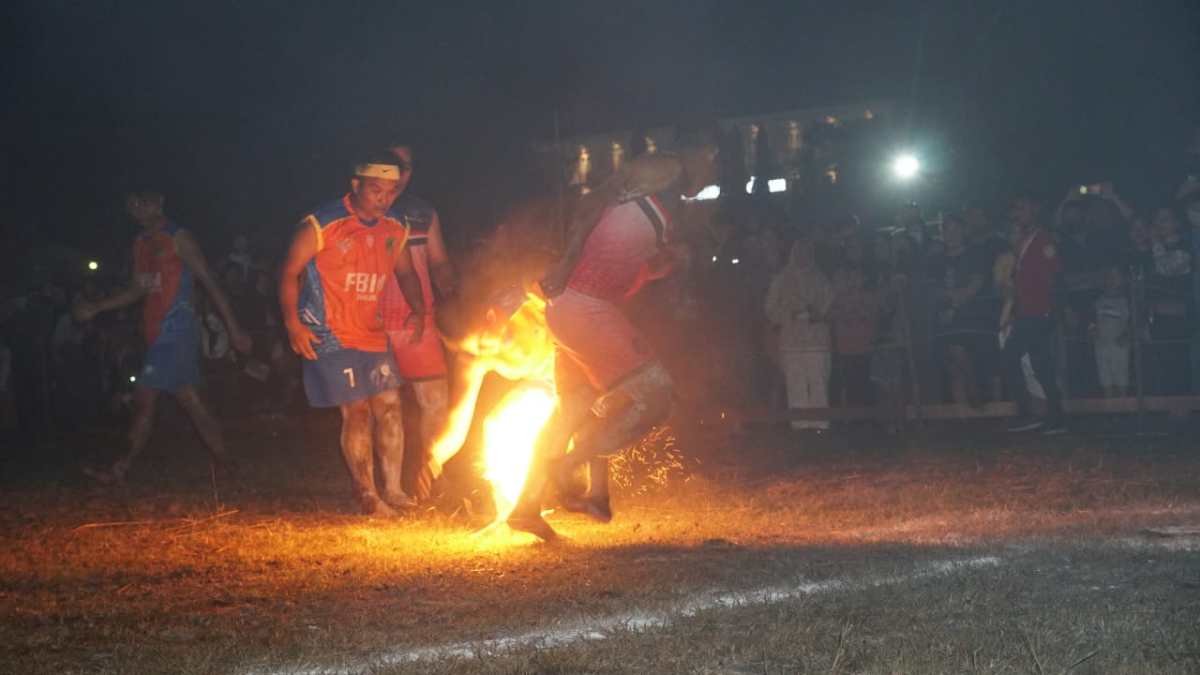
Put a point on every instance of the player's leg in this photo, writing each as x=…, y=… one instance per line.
x=360, y=461
x=433, y=398
x=387, y=411
x=145, y=404
x=206, y=425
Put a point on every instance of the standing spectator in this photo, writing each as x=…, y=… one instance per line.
x=1037, y=267
x=1168, y=301
x=1111, y=333
x=798, y=303
x=1189, y=204
x=240, y=258
x=855, y=317
x=964, y=335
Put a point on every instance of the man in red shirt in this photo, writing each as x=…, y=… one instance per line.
x=1036, y=280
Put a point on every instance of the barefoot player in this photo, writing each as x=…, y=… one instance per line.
x=329, y=291
x=166, y=263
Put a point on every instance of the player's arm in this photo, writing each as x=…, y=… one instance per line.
x=189, y=251
x=450, y=438
x=441, y=269
x=84, y=311
x=302, y=250
x=410, y=288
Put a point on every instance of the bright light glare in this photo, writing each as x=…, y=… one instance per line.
x=93, y=265
x=708, y=193
x=773, y=185
x=735, y=261
x=906, y=167
x=133, y=378
x=510, y=435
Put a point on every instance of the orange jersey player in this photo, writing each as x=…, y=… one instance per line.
x=340, y=261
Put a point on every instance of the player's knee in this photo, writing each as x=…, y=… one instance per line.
x=356, y=415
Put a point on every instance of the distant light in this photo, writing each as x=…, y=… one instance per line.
x=708, y=193
x=714, y=258
x=133, y=378
x=735, y=261
x=906, y=167
x=773, y=185
x=93, y=265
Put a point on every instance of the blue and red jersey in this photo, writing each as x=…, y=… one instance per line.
x=344, y=281
x=167, y=283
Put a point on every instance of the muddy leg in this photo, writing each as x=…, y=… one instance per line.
x=387, y=410
x=356, y=450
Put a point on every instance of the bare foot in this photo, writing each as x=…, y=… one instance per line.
x=375, y=507
x=533, y=524
x=400, y=500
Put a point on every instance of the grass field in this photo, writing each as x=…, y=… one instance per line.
x=956, y=550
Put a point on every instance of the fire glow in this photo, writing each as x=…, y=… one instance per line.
x=510, y=435
x=519, y=349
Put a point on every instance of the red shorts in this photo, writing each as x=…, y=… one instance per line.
x=425, y=360
x=597, y=337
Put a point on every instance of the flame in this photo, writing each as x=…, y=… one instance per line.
x=510, y=435
x=519, y=349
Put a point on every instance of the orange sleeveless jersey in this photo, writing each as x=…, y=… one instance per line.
x=344, y=281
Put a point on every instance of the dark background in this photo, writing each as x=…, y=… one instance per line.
x=246, y=114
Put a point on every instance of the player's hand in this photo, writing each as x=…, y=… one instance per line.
x=414, y=325
x=83, y=312
x=302, y=340
x=241, y=341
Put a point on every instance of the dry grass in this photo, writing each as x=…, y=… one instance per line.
x=187, y=585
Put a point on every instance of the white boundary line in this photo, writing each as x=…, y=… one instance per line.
x=599, y=628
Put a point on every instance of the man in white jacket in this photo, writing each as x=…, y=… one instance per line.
x=798, y=304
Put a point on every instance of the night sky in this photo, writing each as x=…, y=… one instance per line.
x=247, y=113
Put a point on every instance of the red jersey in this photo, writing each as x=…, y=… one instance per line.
x=628, y=235
x=344, y=281
x=1036, y=277
x=166, y=281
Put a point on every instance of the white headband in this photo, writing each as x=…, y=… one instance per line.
x=386, y=171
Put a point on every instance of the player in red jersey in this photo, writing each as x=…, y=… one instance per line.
x=620, y=242
x=422, y=363
x=166, y=261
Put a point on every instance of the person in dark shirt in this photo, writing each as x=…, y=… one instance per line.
x=1169, y=303
x=963, y=332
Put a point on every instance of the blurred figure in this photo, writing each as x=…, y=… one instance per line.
x=1169, y=303
x=854, y=316
x=798, y=304
x=1111, y=333
x=963, y=335
x=1036, y=270
x=167, y=262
